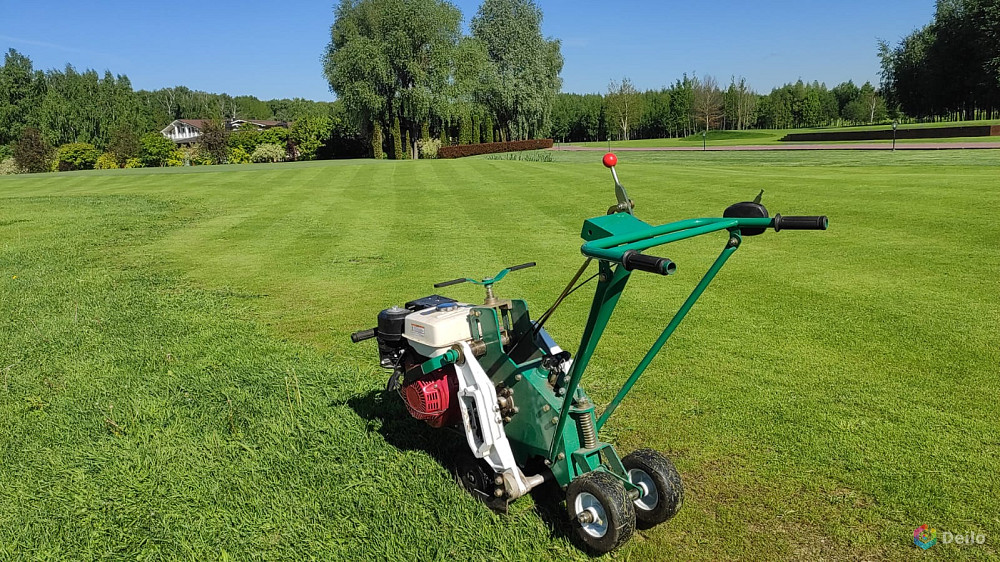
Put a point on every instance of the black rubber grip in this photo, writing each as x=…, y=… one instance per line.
x=632, y=259
x=448, y=283
x=799, y=223
x=363, y=335
x=522, y=266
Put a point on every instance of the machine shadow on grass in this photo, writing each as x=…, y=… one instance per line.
x=407, y=434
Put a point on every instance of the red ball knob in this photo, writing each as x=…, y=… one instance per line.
x=610, y=160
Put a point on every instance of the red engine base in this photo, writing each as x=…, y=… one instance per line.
x=432, y=398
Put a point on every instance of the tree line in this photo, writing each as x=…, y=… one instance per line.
x=693, y=104
x=951, y=66
x=102, y=111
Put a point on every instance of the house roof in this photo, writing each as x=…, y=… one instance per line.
x=197, y=123
x=261, y=122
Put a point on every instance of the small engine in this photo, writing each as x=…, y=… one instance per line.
x=409, y=336
x=431, y=398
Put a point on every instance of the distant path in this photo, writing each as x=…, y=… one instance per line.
x=871, y=146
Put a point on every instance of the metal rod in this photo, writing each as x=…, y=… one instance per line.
x=731, y=246
x=609, y=290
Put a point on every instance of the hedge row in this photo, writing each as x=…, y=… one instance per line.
x=462, y=150
x=886, y=134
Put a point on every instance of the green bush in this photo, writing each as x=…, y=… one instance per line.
x=8, y=166
x=239, y=156
x=429, y=147
x=246, y=139
x=106, y=161
x=77, y=156
x=133, y=163
x=176, y=158
x=268, y=153
x=274, y=135
x=155, y=149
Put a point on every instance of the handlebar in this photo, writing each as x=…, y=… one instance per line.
x=632, y=259
x=640, y=236
x=522, y=266
x=449, y=283
x=799, y=223
x=363, y=335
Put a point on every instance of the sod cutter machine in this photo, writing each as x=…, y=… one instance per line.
x=497, y=376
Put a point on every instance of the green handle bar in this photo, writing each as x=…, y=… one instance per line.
x=613, y=248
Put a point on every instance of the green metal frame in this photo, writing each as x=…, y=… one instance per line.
x=609, y=237
x=541, y=428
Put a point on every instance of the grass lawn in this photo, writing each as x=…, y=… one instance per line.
x=176, y=378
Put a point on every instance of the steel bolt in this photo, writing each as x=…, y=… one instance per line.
x=555, y=420
x=518, y=377
x=498, y=492
x=498, y=480
x=561, y=456
x=516, y=409
x=506, y=419
x=585, y=518
x=546, y=408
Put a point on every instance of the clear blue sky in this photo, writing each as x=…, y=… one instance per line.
x=273, y=49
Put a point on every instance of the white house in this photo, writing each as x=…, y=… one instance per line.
x=187, y=131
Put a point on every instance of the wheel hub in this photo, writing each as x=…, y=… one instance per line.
x=591, y=515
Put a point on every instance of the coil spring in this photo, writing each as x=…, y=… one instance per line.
x=585, y=422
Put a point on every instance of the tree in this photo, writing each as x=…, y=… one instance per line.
x=308, y=134
x=951, y=65
x=526, y=65
x=707, y=102
x=214, y=141
x=31, y=153
x=624, y=106
x=741, y=104
x=21, y=90
x=246, y=137
x=155, y=149
x=390, y=59
x=873, y=103
x=124, y=145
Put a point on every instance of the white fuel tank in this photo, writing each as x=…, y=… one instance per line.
x=439, y=327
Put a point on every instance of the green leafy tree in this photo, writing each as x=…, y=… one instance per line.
x=526, y=66
x=21, y=90
x=952, y=65
x=308, y=134
x=274, y=135
x=32, y=153
x=247, y=138
x=389, y=59
x=154, y=150
x=624, y=106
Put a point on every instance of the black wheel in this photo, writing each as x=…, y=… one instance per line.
x=480, y=480
x=601, y=511
x=663, y=492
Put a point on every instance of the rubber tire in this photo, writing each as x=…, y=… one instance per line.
x=668, y=485
x=618, y=508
